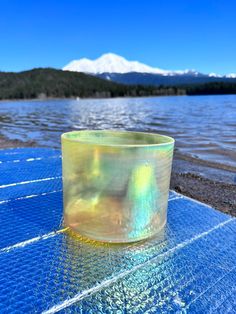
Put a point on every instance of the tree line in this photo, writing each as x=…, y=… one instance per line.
x=53, y=83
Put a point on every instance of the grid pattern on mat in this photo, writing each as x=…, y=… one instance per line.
x=188, y=268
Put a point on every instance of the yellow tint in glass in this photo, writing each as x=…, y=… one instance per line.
x=115, y=183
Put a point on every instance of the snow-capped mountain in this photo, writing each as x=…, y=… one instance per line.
x=116, y=68
x=231, y=75
x=214, y=75
x=112, y=63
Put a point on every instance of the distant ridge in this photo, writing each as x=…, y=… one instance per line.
x=153, y=79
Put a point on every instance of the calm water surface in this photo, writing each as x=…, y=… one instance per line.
x=203, y=126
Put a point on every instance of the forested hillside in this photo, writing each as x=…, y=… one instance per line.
x=49, y=83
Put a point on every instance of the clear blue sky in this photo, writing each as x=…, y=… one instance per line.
x=174, y=34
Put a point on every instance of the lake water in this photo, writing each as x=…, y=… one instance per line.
x=203, y=126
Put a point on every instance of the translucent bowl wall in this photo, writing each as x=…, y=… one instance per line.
x=116, y=184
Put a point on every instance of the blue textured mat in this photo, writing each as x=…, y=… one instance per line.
x=189, y=268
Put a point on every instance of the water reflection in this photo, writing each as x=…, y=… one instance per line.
x=203, y=126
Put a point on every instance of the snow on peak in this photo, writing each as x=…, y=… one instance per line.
x=231, y=75
x=214, y=75
x=110, y=63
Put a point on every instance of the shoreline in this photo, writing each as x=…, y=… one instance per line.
x=214, y=187
x=115, y=97
x=87, y=98
x=8, y=143
x=208, y=188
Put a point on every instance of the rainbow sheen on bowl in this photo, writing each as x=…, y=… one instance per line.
x=116, y=183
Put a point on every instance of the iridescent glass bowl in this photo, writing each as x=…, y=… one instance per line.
x=116, y=183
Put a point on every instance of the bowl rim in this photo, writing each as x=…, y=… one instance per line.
x=169, y=140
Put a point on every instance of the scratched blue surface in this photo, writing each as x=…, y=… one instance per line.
x=188, y=268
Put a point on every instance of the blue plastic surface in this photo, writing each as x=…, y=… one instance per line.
x=188, y=268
